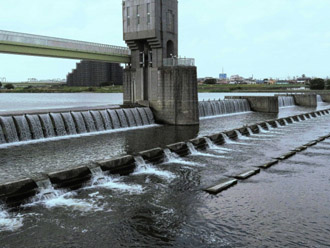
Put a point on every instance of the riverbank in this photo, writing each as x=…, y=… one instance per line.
x=55, y=88
x=218, y=88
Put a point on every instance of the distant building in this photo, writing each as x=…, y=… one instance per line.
x=92, y=73
x=222, y=76
x=303, y=80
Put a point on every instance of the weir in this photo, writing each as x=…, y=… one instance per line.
x=16, y=192
x=223, y=107
x=41, y=126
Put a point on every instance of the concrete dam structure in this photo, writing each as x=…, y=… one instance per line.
x=222, y=107
x=50, y=125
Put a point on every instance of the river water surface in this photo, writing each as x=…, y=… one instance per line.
x=165, y=205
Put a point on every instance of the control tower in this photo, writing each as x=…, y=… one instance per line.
x=157, y=77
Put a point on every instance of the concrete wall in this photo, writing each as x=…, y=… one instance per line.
x=325, y=97
x=266, y=104
x=177, y=101
x=306, y=100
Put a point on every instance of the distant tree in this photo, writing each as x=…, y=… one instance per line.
x=9, y=86
x=0, y=85
x=317, y=84
x=327, y=84
x=210, y=81
x=104, y=84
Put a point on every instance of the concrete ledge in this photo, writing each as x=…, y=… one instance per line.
x=72, y=178
x=288, y=119
x=268, y=165
x=320, y=139
x=266, y=104
x=306, y=100
x=247, y=174
x=221, y=185
x=217, y=139
x=272, y=123
x=122, y=165
x=287, y=155
x=299, y=149
x=199, y=143
x=180, y=148
x=231, y=134
x=15, y=193
x=154, y=156
x=312, y=143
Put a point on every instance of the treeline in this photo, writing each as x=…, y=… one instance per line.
x=320, y=84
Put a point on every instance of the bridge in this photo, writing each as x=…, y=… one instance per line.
x=36, y=45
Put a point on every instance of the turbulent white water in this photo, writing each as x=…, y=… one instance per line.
x=147, y=169
x=101, y=180
x=194, y=152
x=9, y=222
x=173, y=158
x=52, y=198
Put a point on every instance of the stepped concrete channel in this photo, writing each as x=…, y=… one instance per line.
x=180, y=168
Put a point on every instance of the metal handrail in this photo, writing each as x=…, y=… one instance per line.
x=62, y=43
x=179, y=62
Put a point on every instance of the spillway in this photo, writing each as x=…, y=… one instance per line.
x=222, y=107
x=41, y=126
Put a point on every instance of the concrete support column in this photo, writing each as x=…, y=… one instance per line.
x=177, y=102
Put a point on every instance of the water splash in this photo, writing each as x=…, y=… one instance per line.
x=147, y=169
x=173, y=158
x=194, y=152
x=240, y=136
x=262, y=130
x=213, y=146
x=101, y=180
x=9, y=222
x=52, y=198
x=277, y=124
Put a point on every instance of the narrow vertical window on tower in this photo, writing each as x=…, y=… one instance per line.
x=148, y=13
x=170, y=21
x=128, y=17
x=138, y=14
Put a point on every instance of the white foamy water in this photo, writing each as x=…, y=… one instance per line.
x=213, y=146
x=51, y=198
x=147, y=169
x=194, y=152
x=9, y=222
x=173, y=158
x=101, y=180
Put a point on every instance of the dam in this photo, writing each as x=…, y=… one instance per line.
x=159, y=173
x=160, y=165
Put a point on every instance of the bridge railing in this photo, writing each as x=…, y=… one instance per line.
x=179, y=62
x=62, y=43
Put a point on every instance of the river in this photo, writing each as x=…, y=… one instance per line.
x=165, y=205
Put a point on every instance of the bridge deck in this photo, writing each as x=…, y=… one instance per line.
x=36, y=45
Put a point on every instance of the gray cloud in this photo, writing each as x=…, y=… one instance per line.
x=266, y=38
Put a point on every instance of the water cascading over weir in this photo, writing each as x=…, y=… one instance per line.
x=285, y=101
x=50, y=125
x=223, y=107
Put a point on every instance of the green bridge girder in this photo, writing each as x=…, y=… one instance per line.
x=55, y=52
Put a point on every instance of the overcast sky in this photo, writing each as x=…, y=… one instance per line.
x=264, y=38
